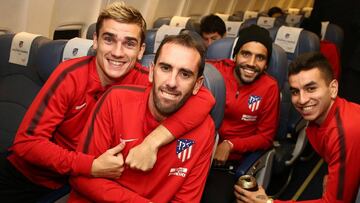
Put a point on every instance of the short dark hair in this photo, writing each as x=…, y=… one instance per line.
x=312, y=25
x=311, y=60
x=122, y=13
x=212, y=23
x=186, y=40
x=274, y=10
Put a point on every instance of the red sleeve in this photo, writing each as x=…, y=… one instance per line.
x=100, y=136
x=184, y=120
x=192, y=188
x=33, y=141
x=266, y=128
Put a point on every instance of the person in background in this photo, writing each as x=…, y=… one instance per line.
x=43, y=154
x=251, y=111
x=327, y=48
x=275, y=12
x=333, y=129
x=180, y=172
x=212, y=28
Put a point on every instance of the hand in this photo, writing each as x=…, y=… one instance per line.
x=244, y=196
x=142, y=157
x=222, y=153
x=110, y=164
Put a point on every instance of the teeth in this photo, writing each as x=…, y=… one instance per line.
x=116, y=63
x=168, y=95
x=307, y=108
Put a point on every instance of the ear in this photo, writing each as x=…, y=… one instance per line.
x=334, y=87
x=141, y=52
x=151, y=72
x=199, y=82
x=95, y=44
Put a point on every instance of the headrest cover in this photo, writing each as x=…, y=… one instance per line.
x=76, y=47
x=254, y=33
x=162, y=32
x=179, y=21
x=20, y=48
x=232, y=28
x=288, y=37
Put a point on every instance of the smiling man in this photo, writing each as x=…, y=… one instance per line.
x=251, y=111
x=43, y=154
x=131, y=112
x=333, y=130
x=212, y=28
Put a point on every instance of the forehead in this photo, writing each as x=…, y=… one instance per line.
x=179, y=56
x=211, y=35
x=255, y=48
x=304, y=77
x=120, y=29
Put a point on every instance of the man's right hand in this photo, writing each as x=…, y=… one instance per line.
x=110, y=164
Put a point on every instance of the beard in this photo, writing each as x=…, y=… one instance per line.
x=246, y=66
x=168, y=109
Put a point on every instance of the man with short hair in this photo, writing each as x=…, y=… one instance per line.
x=180, y=172
x=212, y=28
x=251, y=111
x=43, y=154
x=333, y=129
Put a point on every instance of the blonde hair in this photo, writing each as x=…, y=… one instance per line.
x=122, y=13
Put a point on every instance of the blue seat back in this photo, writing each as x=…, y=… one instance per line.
x=18, y=86
x=334, y=34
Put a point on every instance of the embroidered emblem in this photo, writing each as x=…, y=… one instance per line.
x=254, y=102
x=184, y=148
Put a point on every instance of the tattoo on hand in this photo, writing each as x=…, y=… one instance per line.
x=261, y=197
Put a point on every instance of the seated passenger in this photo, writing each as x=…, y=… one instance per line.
x=212, y=28
x=333, y=130
x=43, y=154
x=327, y=48
x=127, y=114
x=275, y=12
x=251, y=111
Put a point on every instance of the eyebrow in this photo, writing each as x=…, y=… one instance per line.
x=186, y=70
x=128, y=38
x=256, y=54
x=312, y=83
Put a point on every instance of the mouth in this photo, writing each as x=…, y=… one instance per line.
x=169, y=95
x=115, y=62
x=306, y=109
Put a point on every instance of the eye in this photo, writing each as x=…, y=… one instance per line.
x=245, y=54
x=108, y=39
x=165, y=68
x=294, y=92
x=311, y=89
x=185, y=74
x=131, y=44
x=260, y=57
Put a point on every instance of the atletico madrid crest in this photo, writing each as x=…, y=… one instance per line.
x=184, y=148
x=254, y=102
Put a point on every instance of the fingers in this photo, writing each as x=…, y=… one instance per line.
x=118, y=148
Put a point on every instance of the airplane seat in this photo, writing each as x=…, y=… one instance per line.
x=19, y=80
x=90, y=31
x=335, y=34
x=214, y=81
x=239, y=14
x=234, y=18
x=193, y=23
x=258, y=163
x=263, y=21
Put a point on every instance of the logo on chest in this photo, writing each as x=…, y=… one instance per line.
x=184, y=149
x=254, y=102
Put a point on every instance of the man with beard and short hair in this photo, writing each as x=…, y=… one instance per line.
x=180, y=172
x=251, y=111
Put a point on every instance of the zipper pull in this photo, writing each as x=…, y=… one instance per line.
x=237, y=94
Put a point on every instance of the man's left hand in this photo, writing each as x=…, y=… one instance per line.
x=222, y=153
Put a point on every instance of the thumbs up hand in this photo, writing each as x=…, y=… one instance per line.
x=110, y=164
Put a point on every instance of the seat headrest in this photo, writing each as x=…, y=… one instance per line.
x=20, y=48
x=90, y=32
x=77, y=47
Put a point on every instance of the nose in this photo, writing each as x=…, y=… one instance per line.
x=303, y=98
x=171, y=81
x=117, y=50
x=252, y=60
